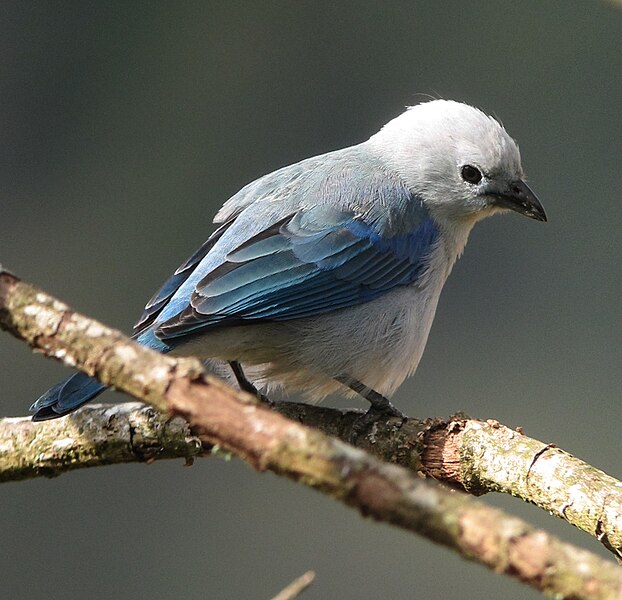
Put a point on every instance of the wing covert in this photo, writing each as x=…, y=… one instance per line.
x=329, y=232
x=310, y=263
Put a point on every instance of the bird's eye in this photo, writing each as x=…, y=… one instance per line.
x=471, y=174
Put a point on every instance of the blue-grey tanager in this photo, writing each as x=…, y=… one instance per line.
x=324, y=276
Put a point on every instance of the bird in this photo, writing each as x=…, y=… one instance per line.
x=324, y=276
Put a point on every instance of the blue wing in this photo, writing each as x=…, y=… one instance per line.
x=308, y=263
x=329, y=232
x=159, y=300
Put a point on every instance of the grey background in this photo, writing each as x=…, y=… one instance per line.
x=124, y=126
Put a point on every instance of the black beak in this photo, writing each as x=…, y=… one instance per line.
x=522, y=200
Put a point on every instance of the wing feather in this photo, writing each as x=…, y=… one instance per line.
x=329, y=232
x=297, y=272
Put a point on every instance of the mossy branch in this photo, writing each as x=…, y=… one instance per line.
x=267, y=440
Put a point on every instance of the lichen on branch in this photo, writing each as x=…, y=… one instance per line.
x=269, y=441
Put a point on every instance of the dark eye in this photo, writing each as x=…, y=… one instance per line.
x=471, y=174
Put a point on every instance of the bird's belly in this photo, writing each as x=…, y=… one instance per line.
x=379, y=343
x=388, y=338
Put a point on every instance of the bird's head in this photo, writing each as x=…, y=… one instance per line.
x=458, y=160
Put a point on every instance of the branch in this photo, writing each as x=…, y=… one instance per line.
x=449, y=450
x=267, y=440
x=94, y=436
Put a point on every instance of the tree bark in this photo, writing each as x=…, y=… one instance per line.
x=267, y=440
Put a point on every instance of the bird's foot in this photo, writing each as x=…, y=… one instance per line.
x=380, y=409
x=365, y=423
x=247, y=386
x=264, y=399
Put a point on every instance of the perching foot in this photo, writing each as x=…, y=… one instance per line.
x=366, y=421
x=380, y=409
x=246, y=385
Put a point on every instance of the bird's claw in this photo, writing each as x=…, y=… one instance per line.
x=374, y=415
x=264, y=399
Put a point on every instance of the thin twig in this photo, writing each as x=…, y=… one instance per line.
x=296, y=587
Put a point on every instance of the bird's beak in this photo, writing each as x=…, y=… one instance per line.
x=519, y=198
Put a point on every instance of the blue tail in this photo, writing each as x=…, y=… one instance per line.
x=68, y=395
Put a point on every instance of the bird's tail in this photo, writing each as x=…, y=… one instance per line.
x=68, y=395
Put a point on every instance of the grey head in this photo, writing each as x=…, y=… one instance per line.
x=461, y=162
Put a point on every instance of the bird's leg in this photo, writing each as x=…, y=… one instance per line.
x=380, y=407
x=245, y=384
x=378, y=402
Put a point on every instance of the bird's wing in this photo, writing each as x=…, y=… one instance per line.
x=327, y=233
x=159, y=300
x=269, y=188
x=309, y=263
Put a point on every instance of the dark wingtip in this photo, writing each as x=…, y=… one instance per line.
x=45, y=414
x=65, y=397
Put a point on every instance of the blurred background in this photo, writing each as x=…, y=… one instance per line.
x=124, y=126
